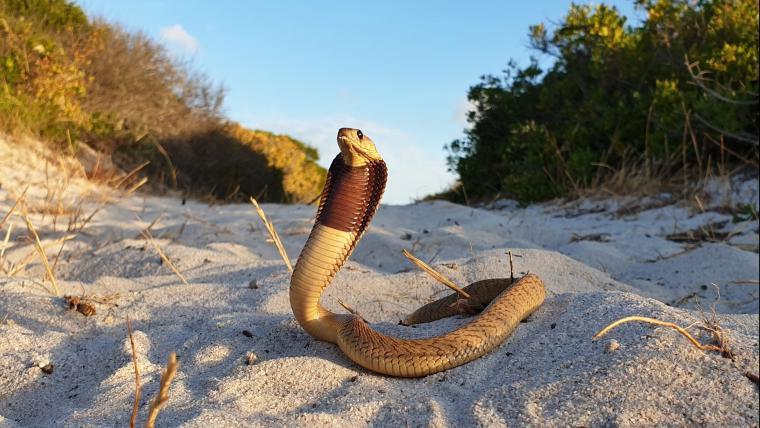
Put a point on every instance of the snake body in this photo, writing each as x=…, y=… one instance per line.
x=355, y=183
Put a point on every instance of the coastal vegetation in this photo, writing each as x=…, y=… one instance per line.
x=74, y=81
x=669, y=99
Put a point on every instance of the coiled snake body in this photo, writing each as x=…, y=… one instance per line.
x=355, y=184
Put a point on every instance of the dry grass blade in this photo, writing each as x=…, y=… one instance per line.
x=675, y=327
x=163, y=391
x=136, y=186
x=138, y=391
x=736, y=281
x=13, y=208
x=711, y=323
x=21, y=264
x=121, y=180
x=435, y=274
x=5, y=242
x=169, y=163
x=41, y=251
x=148, y=237
x=149, y=227
x=273, y=233
x=350, y=309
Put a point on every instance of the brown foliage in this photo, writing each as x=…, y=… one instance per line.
x=137, y=86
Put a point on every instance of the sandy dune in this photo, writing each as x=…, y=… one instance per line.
x=600, y=260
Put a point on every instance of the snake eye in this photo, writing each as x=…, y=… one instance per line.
x=359, y=134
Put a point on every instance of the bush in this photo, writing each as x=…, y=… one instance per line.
x=230, y=162
x=616, y=94
x=65, y=78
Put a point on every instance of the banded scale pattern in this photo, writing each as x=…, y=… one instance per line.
x=349, y=201
x=420, y=357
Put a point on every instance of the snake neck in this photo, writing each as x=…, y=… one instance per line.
x=349, y=201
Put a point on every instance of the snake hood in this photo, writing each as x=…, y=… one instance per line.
x=353, y=188
x=357, y=149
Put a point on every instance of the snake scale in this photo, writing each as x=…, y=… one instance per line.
x=355, y=183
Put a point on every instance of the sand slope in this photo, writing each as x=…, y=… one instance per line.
x=600, y=260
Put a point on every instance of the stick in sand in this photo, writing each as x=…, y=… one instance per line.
x=685, y=333
x=273, y=233
x=435, y=274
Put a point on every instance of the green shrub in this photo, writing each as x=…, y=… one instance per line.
x=616, y=95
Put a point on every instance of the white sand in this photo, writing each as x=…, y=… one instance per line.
x=548, y=373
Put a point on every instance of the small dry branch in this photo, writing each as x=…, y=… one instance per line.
x=675, y=327
x=273, y=233
x=435, y=274
x=163, y=391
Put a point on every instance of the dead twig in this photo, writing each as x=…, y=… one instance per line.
x=163, y=391
x=685, y=333
x=436, y=275
x=138, y=391
x=273, y=233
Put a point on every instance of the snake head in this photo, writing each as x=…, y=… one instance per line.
x=357, y=148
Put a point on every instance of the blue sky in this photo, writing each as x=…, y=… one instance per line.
x=398, y=70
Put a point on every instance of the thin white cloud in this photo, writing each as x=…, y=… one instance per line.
x=460, y=114
x=412, y=172
x=178, y=40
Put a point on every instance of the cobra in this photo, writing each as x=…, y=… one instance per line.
x=355, y=183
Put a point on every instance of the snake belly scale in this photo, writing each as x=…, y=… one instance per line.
x=355, y=183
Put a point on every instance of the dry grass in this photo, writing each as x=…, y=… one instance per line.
x=675, y=327
x=17, y=267
x=163, y=392
x=273, y=234
x=136, y=79
x=13, y=207
x=138, y=390
x=43, y=257
x=711, y=323
x=350, y=309
x=5, y=244
x=148, y=237
x=436, y=275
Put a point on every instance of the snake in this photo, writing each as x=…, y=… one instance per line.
x=353, y=188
